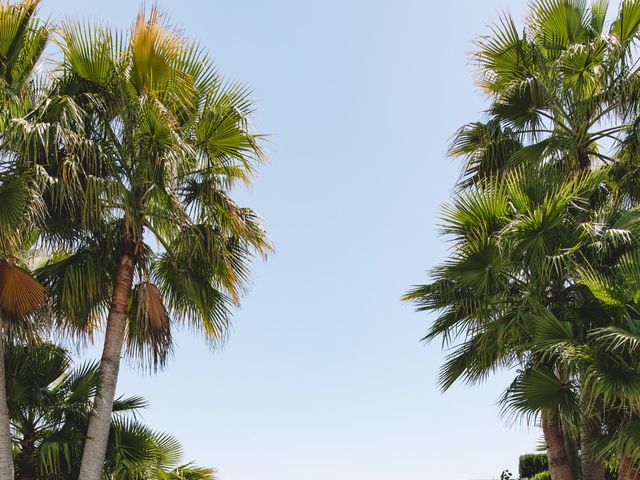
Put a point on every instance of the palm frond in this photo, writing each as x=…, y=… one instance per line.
x=20, y=293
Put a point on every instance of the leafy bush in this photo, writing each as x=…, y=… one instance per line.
x=542, y=476
x=532, y=464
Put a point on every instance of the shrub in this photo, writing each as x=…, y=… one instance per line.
x=532, y=464
x=542, y=476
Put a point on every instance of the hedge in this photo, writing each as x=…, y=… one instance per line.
x=542, y=476
x=532, y=464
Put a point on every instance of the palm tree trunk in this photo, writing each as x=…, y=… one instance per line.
x=26, y=463
x=559, y=464
x=592, y=469
x=628, y=469
x=95, y=446
x=6, y=451
x=572, y=454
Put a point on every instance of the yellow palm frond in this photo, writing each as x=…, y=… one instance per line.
x=154, y=48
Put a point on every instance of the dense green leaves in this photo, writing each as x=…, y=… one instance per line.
x=532, y=464
x=165, y=141
x=128, y=148
x=543, y=271
x=49, y=403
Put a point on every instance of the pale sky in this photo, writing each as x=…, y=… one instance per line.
x=324, y=375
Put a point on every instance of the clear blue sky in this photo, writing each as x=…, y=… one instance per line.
x=324, y=376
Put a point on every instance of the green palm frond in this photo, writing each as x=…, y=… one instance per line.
x=88, y=51
x=580, y=68
x=624, y=439
x=481, y=265
x=79, y=285
x=15, y=198
x=481, y=210
x=50, y=403
x=625, y=27
x=487, y=148
x=192, y=295
x=488, y=351
x=536, y=389
x=187, y=472
x=22, y=41
x=598, y=16
x=129, y=405
x=602, y=288
x=520, y=104
x=136, y=450
x=504, y=57
x=223, y=130
x=560, y=23
x=549, y=331
x=31, y=51
x=613, y=379
x=616, y=339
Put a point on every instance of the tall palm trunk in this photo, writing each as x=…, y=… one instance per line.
x=559, y=463
x=26, y=462
x=6, y=451
x=592, y=469
x=628, y=469
x=95, y=446
x=572, y=454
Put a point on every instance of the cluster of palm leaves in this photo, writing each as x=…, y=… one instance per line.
x=117, y=164
x=49, y=406
x=544, y=272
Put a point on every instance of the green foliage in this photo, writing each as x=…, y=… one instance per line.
x=545, y=239
x=49, y=405
x=546, y=475
x=150, y=143
x=532, y=464
x=131, y=136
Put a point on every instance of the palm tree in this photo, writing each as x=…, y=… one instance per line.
x=562, y=93
x=611, y=356
x=50, y=403
x=160, y=141
x=514, y=241
x=22, y=42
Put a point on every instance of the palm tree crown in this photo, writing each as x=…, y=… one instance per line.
x=142, y=143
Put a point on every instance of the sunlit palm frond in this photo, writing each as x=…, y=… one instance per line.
x=625, y=27
x=88, y=51
x=560, y=23
x=504, y=57
x=187, y=472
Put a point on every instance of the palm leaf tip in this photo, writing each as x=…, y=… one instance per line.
x=154, y=49
x=20, y=293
